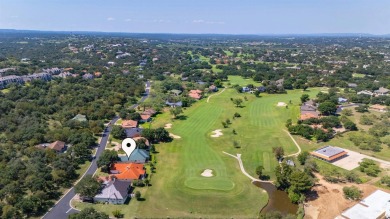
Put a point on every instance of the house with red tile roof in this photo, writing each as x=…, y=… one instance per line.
x=58, y=146
x=128, y=171
x=126, y=124
x=196, y=94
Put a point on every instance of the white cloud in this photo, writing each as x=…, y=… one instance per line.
x=161, y=21
x=110, y=19
x=200, y=21
x=128, y=20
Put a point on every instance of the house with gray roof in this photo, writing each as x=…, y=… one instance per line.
x=173, y=104
x=138, y=156
x=114, y=192
x=382, y=91
x=133, y=132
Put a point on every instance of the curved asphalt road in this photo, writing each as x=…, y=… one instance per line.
x=62, y=208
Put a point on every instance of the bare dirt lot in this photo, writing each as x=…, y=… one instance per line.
x=327, y=199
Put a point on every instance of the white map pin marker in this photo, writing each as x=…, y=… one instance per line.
x=128, y=145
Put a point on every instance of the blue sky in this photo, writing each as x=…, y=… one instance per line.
x=199, y=16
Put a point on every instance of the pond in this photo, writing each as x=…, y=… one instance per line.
x=278, y=200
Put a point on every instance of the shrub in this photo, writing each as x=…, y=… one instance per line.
x=369, y=167
x=236, y=115
x=352, y=193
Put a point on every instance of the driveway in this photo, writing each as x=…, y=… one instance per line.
x=352, y=161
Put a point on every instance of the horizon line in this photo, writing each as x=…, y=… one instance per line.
x=232, y=34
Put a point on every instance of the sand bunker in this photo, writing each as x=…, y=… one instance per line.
x=207, y=173
x=168, y=126
x=282, y=104
x=217, y=133
x=174, y=136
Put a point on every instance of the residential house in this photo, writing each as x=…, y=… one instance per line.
x=64, y=75
x=114, y=192
x=196, y=94
x=137, y=156
x=37, y=76
x=245, y=89
x=176, y=92
x=97, y=74
x=127, y=124
x=365, y=92
x=213, y=88
x=133, y=132
x=173, y=104
x=6, y=80
x=80, y=118
x=146, y=116
x=279, y=83
x=342, y=100
x=88, y=76
x=309, y=110
x=378, y=107
x=261, y=89
x=352, y=85
x=128, y=171
x=382, y=91
x=58, y=146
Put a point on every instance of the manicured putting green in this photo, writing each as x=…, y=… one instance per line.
x=212, y=183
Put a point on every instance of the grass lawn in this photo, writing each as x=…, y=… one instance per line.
x=83, y=168
x=228, y=192
x=357, y=75
x=343, y=140
x=242, y=81
x=178, y=189
x=228, y=53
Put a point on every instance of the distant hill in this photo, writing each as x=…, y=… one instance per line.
x=5, y=32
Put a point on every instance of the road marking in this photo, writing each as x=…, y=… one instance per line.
x=68, y=210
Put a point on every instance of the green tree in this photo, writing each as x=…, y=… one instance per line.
x=88, y=187
x=347, y=112
x=327, y=108
x=362, y=108
x=352, y=192
x=259, y=170
x=386, y=180
x=176, y=111
x=304, y=98
x=117, y=213
x=237, y=102
x=302, y=157
x=118, y=132
x=279, y=152
x=106, y=159
x=89, y=213
x=138, y=195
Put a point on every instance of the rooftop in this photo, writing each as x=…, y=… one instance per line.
x=371, y=207
x=329, y=151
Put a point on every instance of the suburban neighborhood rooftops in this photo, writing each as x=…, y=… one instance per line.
x=133, y=132
x=127, y=171
x=382, y=90
x=373, y=206
x=329, y=153
x=116, y=189
x=196, y=94
x=129, y=124
x=57, y=146
x=137, y=156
